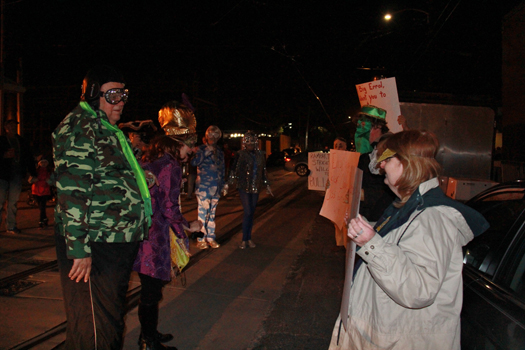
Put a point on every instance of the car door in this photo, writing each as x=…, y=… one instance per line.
x=493, y=315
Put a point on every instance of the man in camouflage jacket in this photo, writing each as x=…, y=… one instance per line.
x=100, y=217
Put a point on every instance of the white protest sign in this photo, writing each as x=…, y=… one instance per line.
x=339, y=194
x=318, y=163
x=382, y=93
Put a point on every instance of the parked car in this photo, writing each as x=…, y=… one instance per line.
x=493, y=315
x=275, y=159
x=297, y=163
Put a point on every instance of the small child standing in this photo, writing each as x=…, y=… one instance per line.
x=41, y=190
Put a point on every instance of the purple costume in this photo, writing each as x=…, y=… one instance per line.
x=154, y=258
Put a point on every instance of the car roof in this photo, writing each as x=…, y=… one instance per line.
x=516, y=184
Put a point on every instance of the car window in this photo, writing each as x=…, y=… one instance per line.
x=501, y=209
x=517, y=282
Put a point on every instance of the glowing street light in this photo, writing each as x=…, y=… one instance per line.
x=389, y=16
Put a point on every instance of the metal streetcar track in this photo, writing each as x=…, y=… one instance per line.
x=133, y=295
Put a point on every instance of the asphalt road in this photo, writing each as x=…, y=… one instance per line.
x=283, y=294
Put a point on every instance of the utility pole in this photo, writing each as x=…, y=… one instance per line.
x=2, y=73
x=307, y=128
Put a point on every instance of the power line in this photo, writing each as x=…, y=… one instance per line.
x=305, y=81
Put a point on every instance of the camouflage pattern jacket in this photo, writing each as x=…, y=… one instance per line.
x=98, y=199
x=249, y=170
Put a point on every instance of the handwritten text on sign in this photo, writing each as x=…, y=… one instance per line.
x=318, y=163
x=370, y=92
x=341, y=176
x=382, y=93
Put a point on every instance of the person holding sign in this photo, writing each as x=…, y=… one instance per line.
x=340, y=144
x=407, y=291
x=371, y=129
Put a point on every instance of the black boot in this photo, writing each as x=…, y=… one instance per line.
x=150, y=338
x=163, y=338
x=154, y=345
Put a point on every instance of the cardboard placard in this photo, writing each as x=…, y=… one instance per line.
x=350, y=252
x=343, y=165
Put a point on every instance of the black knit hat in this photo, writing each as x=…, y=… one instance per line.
x=94, y=79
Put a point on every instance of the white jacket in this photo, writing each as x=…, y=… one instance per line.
x=409, y=296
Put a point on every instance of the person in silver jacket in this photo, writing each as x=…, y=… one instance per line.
x=249, y=171
x=407, y=290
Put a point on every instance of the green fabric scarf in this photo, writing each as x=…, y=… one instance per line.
x=128, y=153
x=362, y=136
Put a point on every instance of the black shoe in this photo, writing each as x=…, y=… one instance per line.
x=14, y=231
x=196, y=235
x=154, y=345
x=163, y=338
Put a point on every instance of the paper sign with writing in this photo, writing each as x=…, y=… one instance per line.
x=337, y=199
x=350, y=252
x=318, y=163
x=382, y=93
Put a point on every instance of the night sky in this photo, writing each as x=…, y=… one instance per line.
x=249, y=63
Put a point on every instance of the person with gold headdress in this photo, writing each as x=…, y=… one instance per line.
x=163, y=158
x=249, y=171
x=209, y=160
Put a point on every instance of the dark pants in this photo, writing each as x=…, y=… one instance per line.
x=150, y=296
x=95, y=310
x=249, y=202
x=10, y=191
x=42, y=203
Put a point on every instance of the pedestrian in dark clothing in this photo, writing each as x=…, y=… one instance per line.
x=228, y=156
x=249, y=171
x=16, y=160
x=371, y=128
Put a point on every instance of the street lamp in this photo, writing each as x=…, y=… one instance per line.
x=389, y=16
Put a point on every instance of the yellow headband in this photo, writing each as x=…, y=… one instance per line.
x=388, y=153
